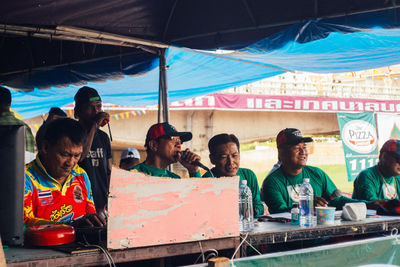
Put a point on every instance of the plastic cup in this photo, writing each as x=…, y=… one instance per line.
x=325, y=215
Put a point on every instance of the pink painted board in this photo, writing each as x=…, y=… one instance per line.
x=147, y=211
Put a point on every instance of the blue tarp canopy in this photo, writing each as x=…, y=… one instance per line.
x=130, y=77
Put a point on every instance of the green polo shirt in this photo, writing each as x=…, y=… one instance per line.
x=149, y=170
x=250, y=177
x=370, y=185
x=280, y=190
x=8, y=118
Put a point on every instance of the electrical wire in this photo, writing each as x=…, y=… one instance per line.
x=106, y=253
x=241, y=243
x=256, y=250
x=213, y=253
x=202, y=252
x=395, y=233
x=109, y=131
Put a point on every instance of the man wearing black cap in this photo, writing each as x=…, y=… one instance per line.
x=383, y=180
x=97, y=148
x=281, y=188
x=163, y=147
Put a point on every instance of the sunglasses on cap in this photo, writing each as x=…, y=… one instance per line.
x=171, y=138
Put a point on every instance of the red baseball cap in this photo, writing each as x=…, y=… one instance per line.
x=392, y=146
x=291, y=136
x=165, y=129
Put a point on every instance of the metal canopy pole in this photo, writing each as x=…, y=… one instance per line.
x=160, y=98
x=163, y=109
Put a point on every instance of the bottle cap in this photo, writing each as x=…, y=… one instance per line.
x=243, y=182
x=307, y=180
x=295, y=205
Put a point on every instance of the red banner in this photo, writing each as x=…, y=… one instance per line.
x=272, y=103
x=286, y=103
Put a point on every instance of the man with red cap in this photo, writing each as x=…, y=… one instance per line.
x=281, y=188
x=383, y=180
x=163, y=147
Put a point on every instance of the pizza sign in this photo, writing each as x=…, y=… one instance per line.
x=360, y=142
x=360, y=136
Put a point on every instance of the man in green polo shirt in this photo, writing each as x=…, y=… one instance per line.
x=383, y=180
x=281, y=188
x=7, y=117
x=225, y=155
x=163, y=147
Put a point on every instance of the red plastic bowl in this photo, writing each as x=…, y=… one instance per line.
x=50, y=234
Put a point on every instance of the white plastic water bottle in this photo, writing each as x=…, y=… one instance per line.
x=306, y=197
x=246, y=219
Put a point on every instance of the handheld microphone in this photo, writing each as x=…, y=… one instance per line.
x=201, y=165
x=197, y=162
x=103, y=123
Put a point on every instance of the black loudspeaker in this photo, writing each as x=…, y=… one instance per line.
x=12, y=183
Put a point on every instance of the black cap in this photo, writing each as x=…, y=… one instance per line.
x=291, y=136
x=85, y=95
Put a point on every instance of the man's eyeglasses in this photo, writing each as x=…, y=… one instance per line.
x=175, y=139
